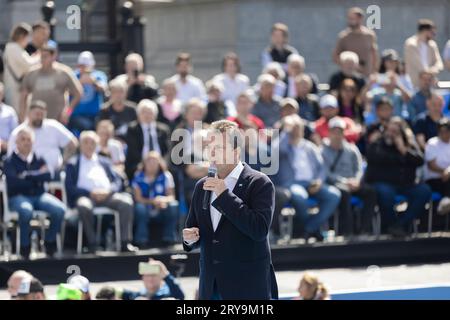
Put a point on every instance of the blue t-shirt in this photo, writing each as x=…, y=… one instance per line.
x=92, y=100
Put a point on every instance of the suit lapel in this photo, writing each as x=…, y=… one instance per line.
x=238, y=190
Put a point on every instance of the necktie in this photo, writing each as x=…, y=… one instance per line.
x=150, y=141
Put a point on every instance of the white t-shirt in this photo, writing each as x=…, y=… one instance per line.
x=437, y=150
x=192, y=88
x=49, y=139
x=232, y=87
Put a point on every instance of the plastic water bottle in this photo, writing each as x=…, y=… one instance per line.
x=34, y=250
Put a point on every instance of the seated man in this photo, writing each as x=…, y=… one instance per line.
x=158, y=284
x=348, y=63
x=437, y=170
x=50, y=138
x=427, y=122
x=92, y=182
x=329, y=109
x=145, y=135
x=154, y=195
x=302, y=171
x=392, y=161
x=344, y=170
x=25, y=176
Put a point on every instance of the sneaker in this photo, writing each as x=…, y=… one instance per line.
x=444, y=206
x=25, y=252
x=50, y=248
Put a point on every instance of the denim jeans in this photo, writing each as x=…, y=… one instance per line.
x=46, y=202
x=328, y=198
x=168, y=217
x=417, y=196
x=79, y=123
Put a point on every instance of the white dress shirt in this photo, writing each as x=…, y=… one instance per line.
x=230, y=181
x=232, y=86
x=149, y=130
x=192, y=88
x=92, y=175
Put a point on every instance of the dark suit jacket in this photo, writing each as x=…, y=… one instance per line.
x=71, y=181
x=135, y=144
x=237, y=255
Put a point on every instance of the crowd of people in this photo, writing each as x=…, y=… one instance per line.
x=380, y=130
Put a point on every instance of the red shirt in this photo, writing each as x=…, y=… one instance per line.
x=252, y=118
x=351, y=132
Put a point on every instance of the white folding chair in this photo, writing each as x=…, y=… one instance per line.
x=11, y=220
x=99, y=212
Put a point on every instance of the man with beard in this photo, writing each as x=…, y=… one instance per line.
x=422, y=52
x=51, y=137
x=359, y=39
x=392, y=161
x=188, y=86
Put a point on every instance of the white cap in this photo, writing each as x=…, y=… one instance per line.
x=336, y=122
x=328, y=100
x=80, y=282
x=86, y=58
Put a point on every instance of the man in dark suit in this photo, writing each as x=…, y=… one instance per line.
x=232, y=233
x=145, y=135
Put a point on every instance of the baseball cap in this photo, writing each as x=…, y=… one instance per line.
x=336, y=122
x=80, y=282
x=328, y=100
x=29, y=285
x=51, y=45
x=86, y=58
x=68, y=292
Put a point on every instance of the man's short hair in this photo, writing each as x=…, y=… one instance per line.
x=147, y=104
x=249, y=94
x=304, y=77
x=25, y=130
x=231, y=129
x=296, y=58
x=183, y=56
x=40, y=25
x=89, y=134
x=137, y=58
x=281, y=27
x=349, y=55
x=425, y=24
x=195, y=102
x=356, y=10
x=106, y=293
x=266, y=79
x=38, y=104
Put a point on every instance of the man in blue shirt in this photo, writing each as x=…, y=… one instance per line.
x=94, y=84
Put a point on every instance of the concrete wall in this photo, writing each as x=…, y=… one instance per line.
x=209, y=28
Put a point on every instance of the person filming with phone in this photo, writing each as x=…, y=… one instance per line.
x=158, y=283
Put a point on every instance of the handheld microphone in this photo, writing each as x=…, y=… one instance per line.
x=207, y=196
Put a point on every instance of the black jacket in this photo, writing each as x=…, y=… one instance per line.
x=237, y=255
x=386, y=164
x=25, y=178
x=135, y=143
